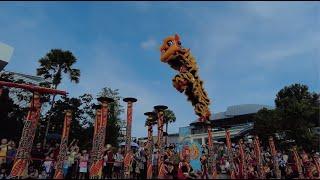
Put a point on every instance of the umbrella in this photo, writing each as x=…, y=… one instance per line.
x=133, y=144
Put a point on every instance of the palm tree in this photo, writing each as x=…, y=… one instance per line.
x=52, y=67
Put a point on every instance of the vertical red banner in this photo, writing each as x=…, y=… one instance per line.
x=22, y=158
x=63, y=145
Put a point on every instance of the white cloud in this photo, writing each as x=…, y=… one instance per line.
x=148, y=44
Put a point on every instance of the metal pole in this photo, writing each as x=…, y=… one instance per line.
x=128, y=153
x=63, y=145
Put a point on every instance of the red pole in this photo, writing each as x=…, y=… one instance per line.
x=22, y=158
x=33, y=88
x=275, y=159
x=97, y=164
x=258, y=157
x=160, y=114
x=298, y=162
x=63, y=145
x=230, y=154
x=243, y=164
x=93, y=171
x=149, y=144
x=128, y=153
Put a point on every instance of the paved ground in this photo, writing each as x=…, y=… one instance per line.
x=223, y=176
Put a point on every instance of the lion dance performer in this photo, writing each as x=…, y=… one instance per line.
x=189, y=82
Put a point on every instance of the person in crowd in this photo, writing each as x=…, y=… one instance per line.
x=3, y=150
x=66, y=165
x=37, y=155
x=110, y=161
x=3, y=171
x=83, y=164
x=118, y=164
x=11, y=153
x=48, y=165
x=155, y=162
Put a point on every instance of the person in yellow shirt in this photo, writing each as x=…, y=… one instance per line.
x=3, y=150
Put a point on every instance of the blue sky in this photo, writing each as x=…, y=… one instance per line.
x=246, y=51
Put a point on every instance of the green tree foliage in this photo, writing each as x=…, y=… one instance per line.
x=81, y=126
x=52, y=67
x=296, y=113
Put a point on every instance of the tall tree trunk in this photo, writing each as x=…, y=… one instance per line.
x=48, y=120
x=166, y=132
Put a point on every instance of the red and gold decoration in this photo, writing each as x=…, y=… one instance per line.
x=230, y=154
x=149, y=124
x=22, y=158
x=297, y=161
x=257, y=152
x=96, y=166
x=275, y=159
x=160, y=120
x=243, y=163
x=188, y=81
x=128, y=153
x=63, y=145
